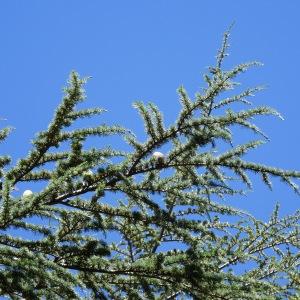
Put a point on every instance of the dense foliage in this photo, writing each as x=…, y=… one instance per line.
x=148, y=223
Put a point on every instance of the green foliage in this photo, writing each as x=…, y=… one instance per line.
x=109, y=224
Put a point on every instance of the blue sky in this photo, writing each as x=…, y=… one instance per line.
x=144, y=50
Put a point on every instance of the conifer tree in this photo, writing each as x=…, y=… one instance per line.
x=147, y=223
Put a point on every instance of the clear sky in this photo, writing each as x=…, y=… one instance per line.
x=143, y=50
